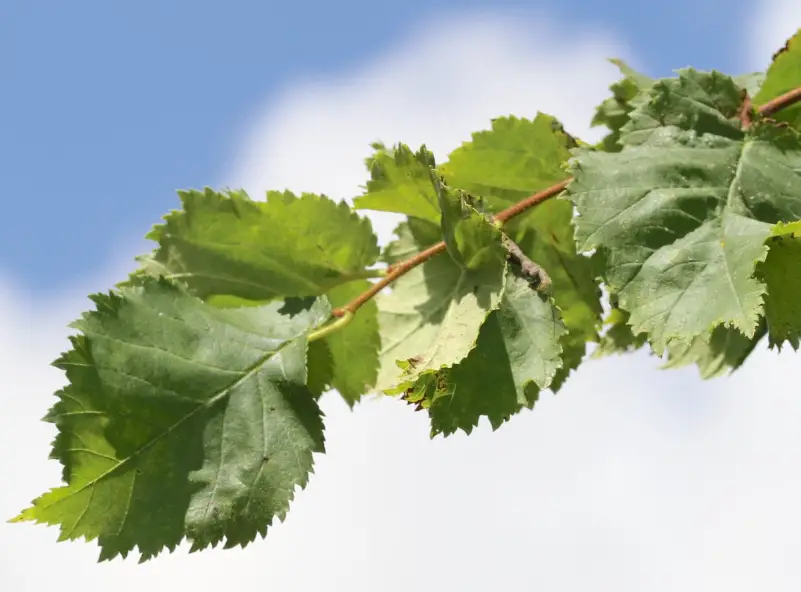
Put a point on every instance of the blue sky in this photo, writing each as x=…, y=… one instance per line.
x=112, y=106
x=630, y=479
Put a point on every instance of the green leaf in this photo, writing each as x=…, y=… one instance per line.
x=355, y=347
x=453, y=212
x=414, y=235
x=400, y=182
x=784, y=75
x=573, y=352
x=532, y=328
x=227, y=244
x=642, y=81
x=513, y=160
x=432, y=314
x=614, y=111
x=471, y=239
x=751, y=82
x=717, y=353
x=618, y=338
x=781, y=271
x=180, y=420
x=681, y=215
x=547, y=238
x=518, y=353
x=320, y=367
x=704, y=102
x=506, y=164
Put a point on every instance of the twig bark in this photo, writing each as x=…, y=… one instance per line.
x=780, y=102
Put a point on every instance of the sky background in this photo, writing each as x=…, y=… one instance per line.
x=632, y=479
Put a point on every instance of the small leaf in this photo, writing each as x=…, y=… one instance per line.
x=471, y=239
x=513, y=160
x=400, y=182
x=642, y=81
x=614, y=111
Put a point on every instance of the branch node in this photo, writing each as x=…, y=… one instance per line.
x=535, y=274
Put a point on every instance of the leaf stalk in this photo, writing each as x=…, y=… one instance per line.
x=326, y=330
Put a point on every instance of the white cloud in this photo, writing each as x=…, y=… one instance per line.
x=631, y=479
x=447, y=80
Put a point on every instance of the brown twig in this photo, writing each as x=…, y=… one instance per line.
x=780, y=102
x=746, y=111
x=529, y=202
x=396, y=270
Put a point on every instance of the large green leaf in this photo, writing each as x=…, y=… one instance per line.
x=180, y=420
x=683, y=212
x=518, y=353
x=433, y=313
x=783, y=76
x=227, y=244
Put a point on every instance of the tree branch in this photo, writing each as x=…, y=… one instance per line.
x=397, y=270
x=781, y=102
